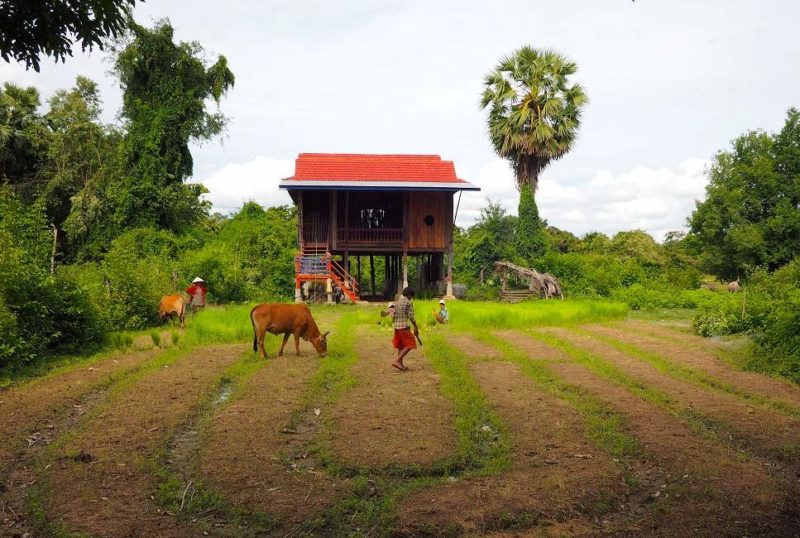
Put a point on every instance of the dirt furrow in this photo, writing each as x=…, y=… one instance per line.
x=258, y=463
x=101, y=482
x=769, y=433
x=534, y=349
x=558, y=479
x=391, y=418
x=27, y=412
x=706, y=489
x=707, y=362
x=473, y=347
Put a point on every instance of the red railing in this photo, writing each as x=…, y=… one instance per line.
x=315, y=268
x=370, y=235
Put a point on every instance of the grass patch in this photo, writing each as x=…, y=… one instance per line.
x=155, y=336
x=480, y=316
x=219, y=325
x=56, y=364
x=692, y=375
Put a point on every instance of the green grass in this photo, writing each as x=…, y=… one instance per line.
x=692, y=375
x=485, y=315
x=155, y=336
x=219, y=325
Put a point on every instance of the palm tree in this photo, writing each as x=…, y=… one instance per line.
x=18, y=124
x=534, y=110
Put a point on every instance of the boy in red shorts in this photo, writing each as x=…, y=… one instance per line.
x=404, y=341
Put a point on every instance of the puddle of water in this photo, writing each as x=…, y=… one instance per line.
x=224, y=393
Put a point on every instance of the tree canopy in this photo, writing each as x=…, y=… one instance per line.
x=751, y=214
x=31, y=28
x=534, y=110
x=166, y=87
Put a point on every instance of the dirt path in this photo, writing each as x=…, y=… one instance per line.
x=101, y=482
x=27, y=412
x=713, y=491
x=707, y=362
x=254, y=461
x=769, y=433
x=392, y=418
x=558, y=479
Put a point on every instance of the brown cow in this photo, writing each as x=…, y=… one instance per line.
x=286, y=319
x=172, y=305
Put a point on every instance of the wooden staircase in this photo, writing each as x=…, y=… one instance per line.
x=313, y=266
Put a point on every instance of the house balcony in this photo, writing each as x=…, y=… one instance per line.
x=364, y=237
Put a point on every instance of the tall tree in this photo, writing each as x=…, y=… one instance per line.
x=23, y=138
x=80, y=149
x=30, y=28
x=165, y=88
x=751, y=214
x=534, y=110
x=534, y=115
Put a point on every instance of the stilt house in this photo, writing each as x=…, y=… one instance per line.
x=359, y=212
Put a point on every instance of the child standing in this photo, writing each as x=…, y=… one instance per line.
x=404, y=341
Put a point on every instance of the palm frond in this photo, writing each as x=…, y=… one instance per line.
x=533, y=109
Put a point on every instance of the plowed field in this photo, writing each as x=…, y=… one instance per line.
x=620, y=429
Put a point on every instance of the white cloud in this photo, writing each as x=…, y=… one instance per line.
x=257, y=180
x=656, y=200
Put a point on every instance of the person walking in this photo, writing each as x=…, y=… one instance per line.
x=197, y=294
x=404, y=341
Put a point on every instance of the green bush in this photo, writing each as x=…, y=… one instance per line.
x=774, y=311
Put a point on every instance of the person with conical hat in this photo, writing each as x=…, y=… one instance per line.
x=197, y=293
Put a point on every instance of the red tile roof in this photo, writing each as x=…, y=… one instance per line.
x=375, y=168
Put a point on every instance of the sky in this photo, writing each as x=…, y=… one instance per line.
x=669, y=83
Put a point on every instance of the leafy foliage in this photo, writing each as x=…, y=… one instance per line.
x=531, y=239
x=38, y=311
x=30, y=28
x=534, y=110
x=22, y=136
x=751, y=215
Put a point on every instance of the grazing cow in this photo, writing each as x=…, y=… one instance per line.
x=172, y=305
x=734, y=286
x=286, y=319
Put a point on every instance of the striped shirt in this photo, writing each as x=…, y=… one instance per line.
x=404, y=313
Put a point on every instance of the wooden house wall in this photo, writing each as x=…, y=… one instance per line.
x=325, y=212
x=420, y=235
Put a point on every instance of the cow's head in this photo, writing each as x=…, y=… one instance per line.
x=320, y=343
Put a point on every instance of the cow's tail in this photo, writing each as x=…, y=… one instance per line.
x=255, y=333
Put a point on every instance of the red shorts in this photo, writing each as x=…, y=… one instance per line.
x=404, y=339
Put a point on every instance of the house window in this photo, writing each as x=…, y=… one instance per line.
x=429, y=220
x=372, y=217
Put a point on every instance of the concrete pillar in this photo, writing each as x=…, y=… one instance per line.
x=298, y=295
x=329, y=290
x=405, y=270
x=449, y=293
